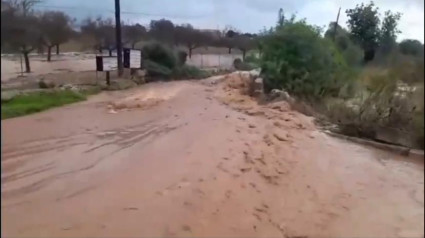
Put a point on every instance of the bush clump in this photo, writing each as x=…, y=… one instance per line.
x=161, y=62
x=189, y=72
x=155, y=69
x=182, y=57
x=295, y=57
x=160, y=54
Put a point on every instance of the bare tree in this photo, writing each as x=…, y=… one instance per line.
x=56, y=29
x=21, y=29
x=191, y=38
x=102, y=31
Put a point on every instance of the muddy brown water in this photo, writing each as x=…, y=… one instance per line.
x=202, y=162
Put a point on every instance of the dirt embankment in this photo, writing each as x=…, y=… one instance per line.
x=198, y=159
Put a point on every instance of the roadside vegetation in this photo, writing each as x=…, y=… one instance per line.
x=359, y=78
x=33, y=102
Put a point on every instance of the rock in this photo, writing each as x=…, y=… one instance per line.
x=254, y=112
x=8, y=95
x=255, y=72
x=281, y=95
x=69, y=87
x=280, y=136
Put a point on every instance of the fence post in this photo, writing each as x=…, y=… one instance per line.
x=108, y=81
x=202, y=60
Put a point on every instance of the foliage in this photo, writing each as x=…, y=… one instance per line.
x=382, y=101
x=155, y=69
x=295, y=57
x=189, y=72
x=388, y=32
x=159, y=54
x=36, y=102
x=182, y=57
x=411, y=47
x=351, y=52
x=363, y=23
x=253, y=59
x=162, y=30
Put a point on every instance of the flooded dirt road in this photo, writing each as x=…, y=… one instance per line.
x=197, y=159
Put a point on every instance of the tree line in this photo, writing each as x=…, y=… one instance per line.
x=25, y=30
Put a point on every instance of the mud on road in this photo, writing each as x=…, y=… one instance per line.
x=198, y=159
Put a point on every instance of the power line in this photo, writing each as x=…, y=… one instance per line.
x=122, y=12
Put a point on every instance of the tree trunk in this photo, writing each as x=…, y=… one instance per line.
x=57, y=49
x=49, y=53
x=230, y=50
x=133, y=45
x=27, y=62
x=243, y=54
x=110, y=52
x=190, y=52
x=40, y=50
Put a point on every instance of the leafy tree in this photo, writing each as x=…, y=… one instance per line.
x=351, y=52
x=133, y=34
x=363, y=22
x=411, y=47
x=280, y=18
x=388, y=32
x=55, y=29
x=162, y=30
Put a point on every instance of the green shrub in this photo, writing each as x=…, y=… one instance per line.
x=160, y=54
x=155, y=69
x=295, y=57
x=252, y=59
x=182, y=57
x=189, y=72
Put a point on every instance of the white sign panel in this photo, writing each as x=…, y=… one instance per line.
x=135, y=59
x=110, y=63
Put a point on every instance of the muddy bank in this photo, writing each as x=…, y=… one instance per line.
x=204, y=160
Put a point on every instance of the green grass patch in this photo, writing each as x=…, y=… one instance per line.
x=40, y=101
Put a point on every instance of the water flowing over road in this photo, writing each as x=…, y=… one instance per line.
x=198, y=159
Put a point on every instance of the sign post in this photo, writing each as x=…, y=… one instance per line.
x=106, y=64
x=132, y=59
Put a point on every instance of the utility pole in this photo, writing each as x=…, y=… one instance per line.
x=336, y=23
x=118, y=36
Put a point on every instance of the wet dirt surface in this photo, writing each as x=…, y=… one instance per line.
x=198, y=159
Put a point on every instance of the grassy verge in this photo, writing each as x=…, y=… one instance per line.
x=40, y=101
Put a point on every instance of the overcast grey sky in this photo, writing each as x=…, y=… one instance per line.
x=244, y=15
